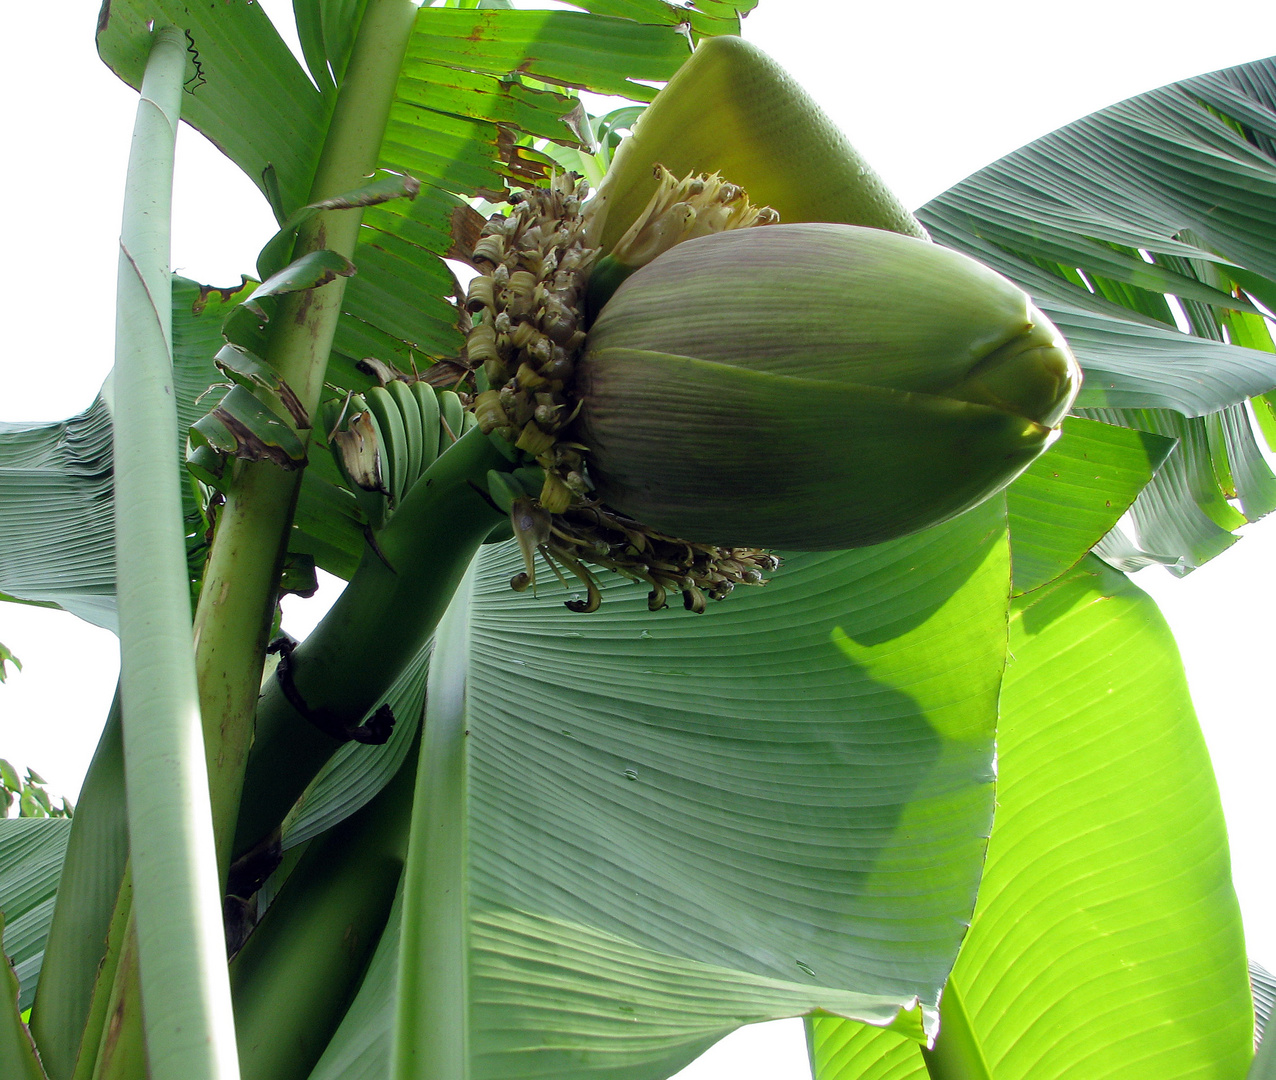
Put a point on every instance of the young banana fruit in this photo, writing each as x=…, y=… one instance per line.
x=386, y=439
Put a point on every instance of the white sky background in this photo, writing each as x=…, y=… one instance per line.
x=928, y=92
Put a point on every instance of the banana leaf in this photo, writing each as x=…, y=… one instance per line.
x=775, y=807
x=1107, y=940
x=31, y=851
x=1144, y=231
x=671, y=824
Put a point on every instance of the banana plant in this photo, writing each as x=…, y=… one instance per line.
x=928, y=776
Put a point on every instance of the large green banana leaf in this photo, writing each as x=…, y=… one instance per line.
x=1107, y=940
x=1264, y=986
x=55, y=512
x=679, y=824
x=672, y=824
x=1144, y=230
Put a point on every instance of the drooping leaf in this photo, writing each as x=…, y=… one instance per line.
x=1263, y=984
x=312, y=270
x=1263, y=1066
x=1131, y=364
x=1107, y=939
x=245, y=91
x=1183, y=512
x=1128, y=226
x=56, y=521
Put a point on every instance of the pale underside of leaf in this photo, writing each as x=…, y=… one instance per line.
x=1124, y=224
x=31, y=851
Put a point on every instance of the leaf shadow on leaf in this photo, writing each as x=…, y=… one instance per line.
x=716, y=763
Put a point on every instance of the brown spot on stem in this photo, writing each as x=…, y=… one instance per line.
x=251, y=448
x=303, y=307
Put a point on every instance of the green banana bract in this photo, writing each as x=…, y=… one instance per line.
x=733, y=110
x=816, y=386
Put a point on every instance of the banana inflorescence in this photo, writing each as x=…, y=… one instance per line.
x=529, y=337
x=551, y=265
x=548, y=382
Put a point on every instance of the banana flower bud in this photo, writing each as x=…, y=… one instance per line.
x=816, y=386
x=734, y=111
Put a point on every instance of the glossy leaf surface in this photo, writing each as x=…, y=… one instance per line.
x=773, y=807
x=1107, y=939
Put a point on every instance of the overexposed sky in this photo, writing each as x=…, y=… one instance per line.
x=928, y=92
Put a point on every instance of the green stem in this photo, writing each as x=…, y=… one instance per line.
x=431, y=1033
x=176, y=895
x=294, y=978
x=120, y=1053
x=957, y=1054
x=238, y=597
x=380, y=622
x=89, y=1032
